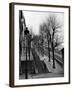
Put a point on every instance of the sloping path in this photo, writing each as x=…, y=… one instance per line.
x=41, y=67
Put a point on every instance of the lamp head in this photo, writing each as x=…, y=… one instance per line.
x=26, y=31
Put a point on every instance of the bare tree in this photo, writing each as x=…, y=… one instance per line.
x=53, y=25
x=44, y=31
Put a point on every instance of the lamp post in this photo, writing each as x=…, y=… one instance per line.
x=27, y=43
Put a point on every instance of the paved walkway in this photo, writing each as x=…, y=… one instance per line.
x=48, y=75
x=43, y=75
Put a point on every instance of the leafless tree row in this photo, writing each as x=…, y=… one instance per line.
x=48, y=37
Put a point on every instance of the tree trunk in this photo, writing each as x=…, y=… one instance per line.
x=48, y=51
x=53, y=55
x=53, y=48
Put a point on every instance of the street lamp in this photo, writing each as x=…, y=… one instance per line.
x=27, y=45
x=26, y=32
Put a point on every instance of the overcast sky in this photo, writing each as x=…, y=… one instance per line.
x=34, y=19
